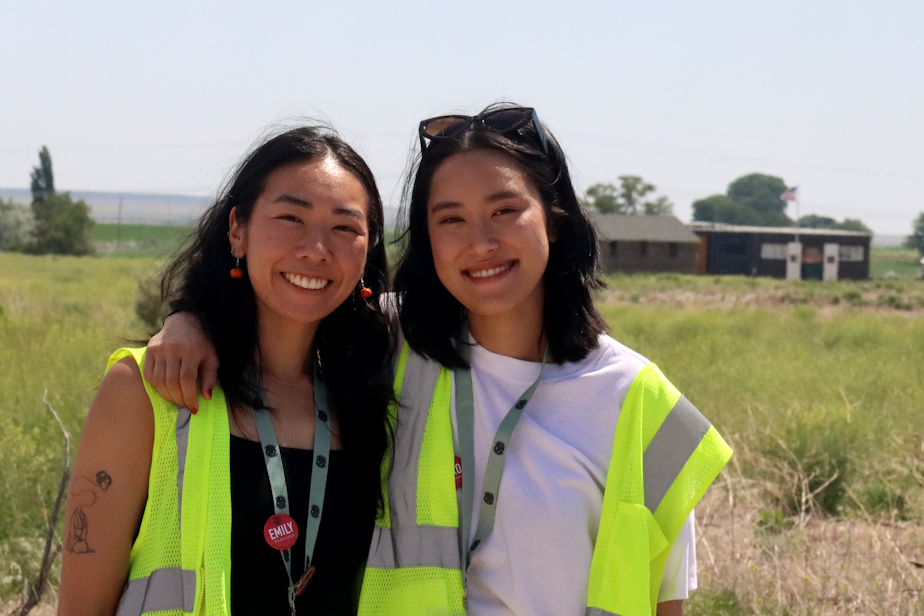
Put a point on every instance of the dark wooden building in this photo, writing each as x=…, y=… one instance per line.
x=645, y=244
x=824, y=254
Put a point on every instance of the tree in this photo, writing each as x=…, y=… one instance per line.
x=62, y=226
x=813, y=221
x=16, y=223
x=916, y=239
x=722, y=208
x=854, y=224
x=601, y=197
x=43, y=181
x=661, y=206
x=762, y=193
x=627, y=198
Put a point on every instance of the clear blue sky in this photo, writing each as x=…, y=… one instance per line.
x=690, y=95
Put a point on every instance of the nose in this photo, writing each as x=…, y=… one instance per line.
x=484, y=239
x=314, y=246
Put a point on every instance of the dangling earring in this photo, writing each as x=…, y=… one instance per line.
x=236, y=272
x=364, y=291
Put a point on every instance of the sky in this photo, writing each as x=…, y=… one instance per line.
x=165, y=97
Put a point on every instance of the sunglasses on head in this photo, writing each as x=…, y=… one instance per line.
x=499, y=120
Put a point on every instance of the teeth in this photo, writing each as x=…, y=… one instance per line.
x=306, y=282
x=490, y=272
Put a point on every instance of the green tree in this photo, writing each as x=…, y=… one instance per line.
x=602, y=198
x=62, y=226
x=854, y=224
x=661, y=206
x=627, y=198
x=813, y=221
x=916, y=239
x=762, y=193
x=722, y=208
x=43, y=180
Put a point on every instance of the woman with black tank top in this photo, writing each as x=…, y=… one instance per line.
x=284, y=273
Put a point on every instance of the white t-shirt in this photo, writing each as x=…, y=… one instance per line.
x=537, y=560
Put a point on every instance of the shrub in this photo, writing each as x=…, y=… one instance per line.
x=16, y=224
x=62, y=226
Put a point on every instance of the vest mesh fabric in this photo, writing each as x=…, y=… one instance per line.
x=206, y=526
x=436, y=505
x=412, y=591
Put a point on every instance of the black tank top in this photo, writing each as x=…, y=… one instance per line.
x=259, y=584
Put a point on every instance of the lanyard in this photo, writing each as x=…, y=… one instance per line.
x=273, y=459
x=465, y=418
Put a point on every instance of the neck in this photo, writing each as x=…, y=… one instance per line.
x=518, y=335
x=285, y=348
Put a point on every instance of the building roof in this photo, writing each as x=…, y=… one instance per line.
x=718, y=227
x=622, y=228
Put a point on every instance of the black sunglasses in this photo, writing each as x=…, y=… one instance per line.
x=500, y=120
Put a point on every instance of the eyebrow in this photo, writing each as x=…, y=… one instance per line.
x=500, y=195
x=341, y=210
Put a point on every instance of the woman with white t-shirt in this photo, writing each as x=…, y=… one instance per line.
x=495, y=287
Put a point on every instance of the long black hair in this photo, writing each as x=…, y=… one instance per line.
x=353, y=344
x=431, y=317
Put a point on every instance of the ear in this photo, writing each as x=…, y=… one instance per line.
x=237, y=236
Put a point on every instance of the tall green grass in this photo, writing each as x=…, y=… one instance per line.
x=60, y=317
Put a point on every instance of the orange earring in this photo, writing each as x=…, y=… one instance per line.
x=364, y=291
x=236, y=272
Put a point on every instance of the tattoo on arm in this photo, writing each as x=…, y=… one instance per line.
x=85, y=492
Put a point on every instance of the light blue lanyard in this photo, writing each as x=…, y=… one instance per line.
x=273, y=459
x=465, y=418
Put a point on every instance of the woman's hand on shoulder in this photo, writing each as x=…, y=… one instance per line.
x=177, y=356
x=107, y=494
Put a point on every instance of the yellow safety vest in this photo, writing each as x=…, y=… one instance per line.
x=180, y=562
x=665, y=455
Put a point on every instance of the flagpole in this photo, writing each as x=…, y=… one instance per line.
x=798, y=224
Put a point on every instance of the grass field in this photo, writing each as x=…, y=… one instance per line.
x=817, y=387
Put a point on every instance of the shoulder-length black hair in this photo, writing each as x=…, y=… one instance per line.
x=353, y=345
x=431, y=317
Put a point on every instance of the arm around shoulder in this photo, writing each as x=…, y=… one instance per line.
x=108, y=492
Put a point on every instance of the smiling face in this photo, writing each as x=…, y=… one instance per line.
x=305, y=242
x=487, y=229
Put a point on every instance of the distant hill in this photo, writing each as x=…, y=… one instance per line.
x=136, y=207
x=143, y=208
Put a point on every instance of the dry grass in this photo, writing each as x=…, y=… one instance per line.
x=820, y=565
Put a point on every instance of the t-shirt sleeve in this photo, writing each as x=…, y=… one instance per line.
x=680, y=570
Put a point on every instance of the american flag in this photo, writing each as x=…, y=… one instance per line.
x=790, y=194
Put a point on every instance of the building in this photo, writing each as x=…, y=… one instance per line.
x=782, y=252
x=645, y=244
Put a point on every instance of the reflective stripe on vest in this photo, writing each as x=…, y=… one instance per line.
x=164, y=589
x=170, y=588
x=405, y=543
x=670, y=449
